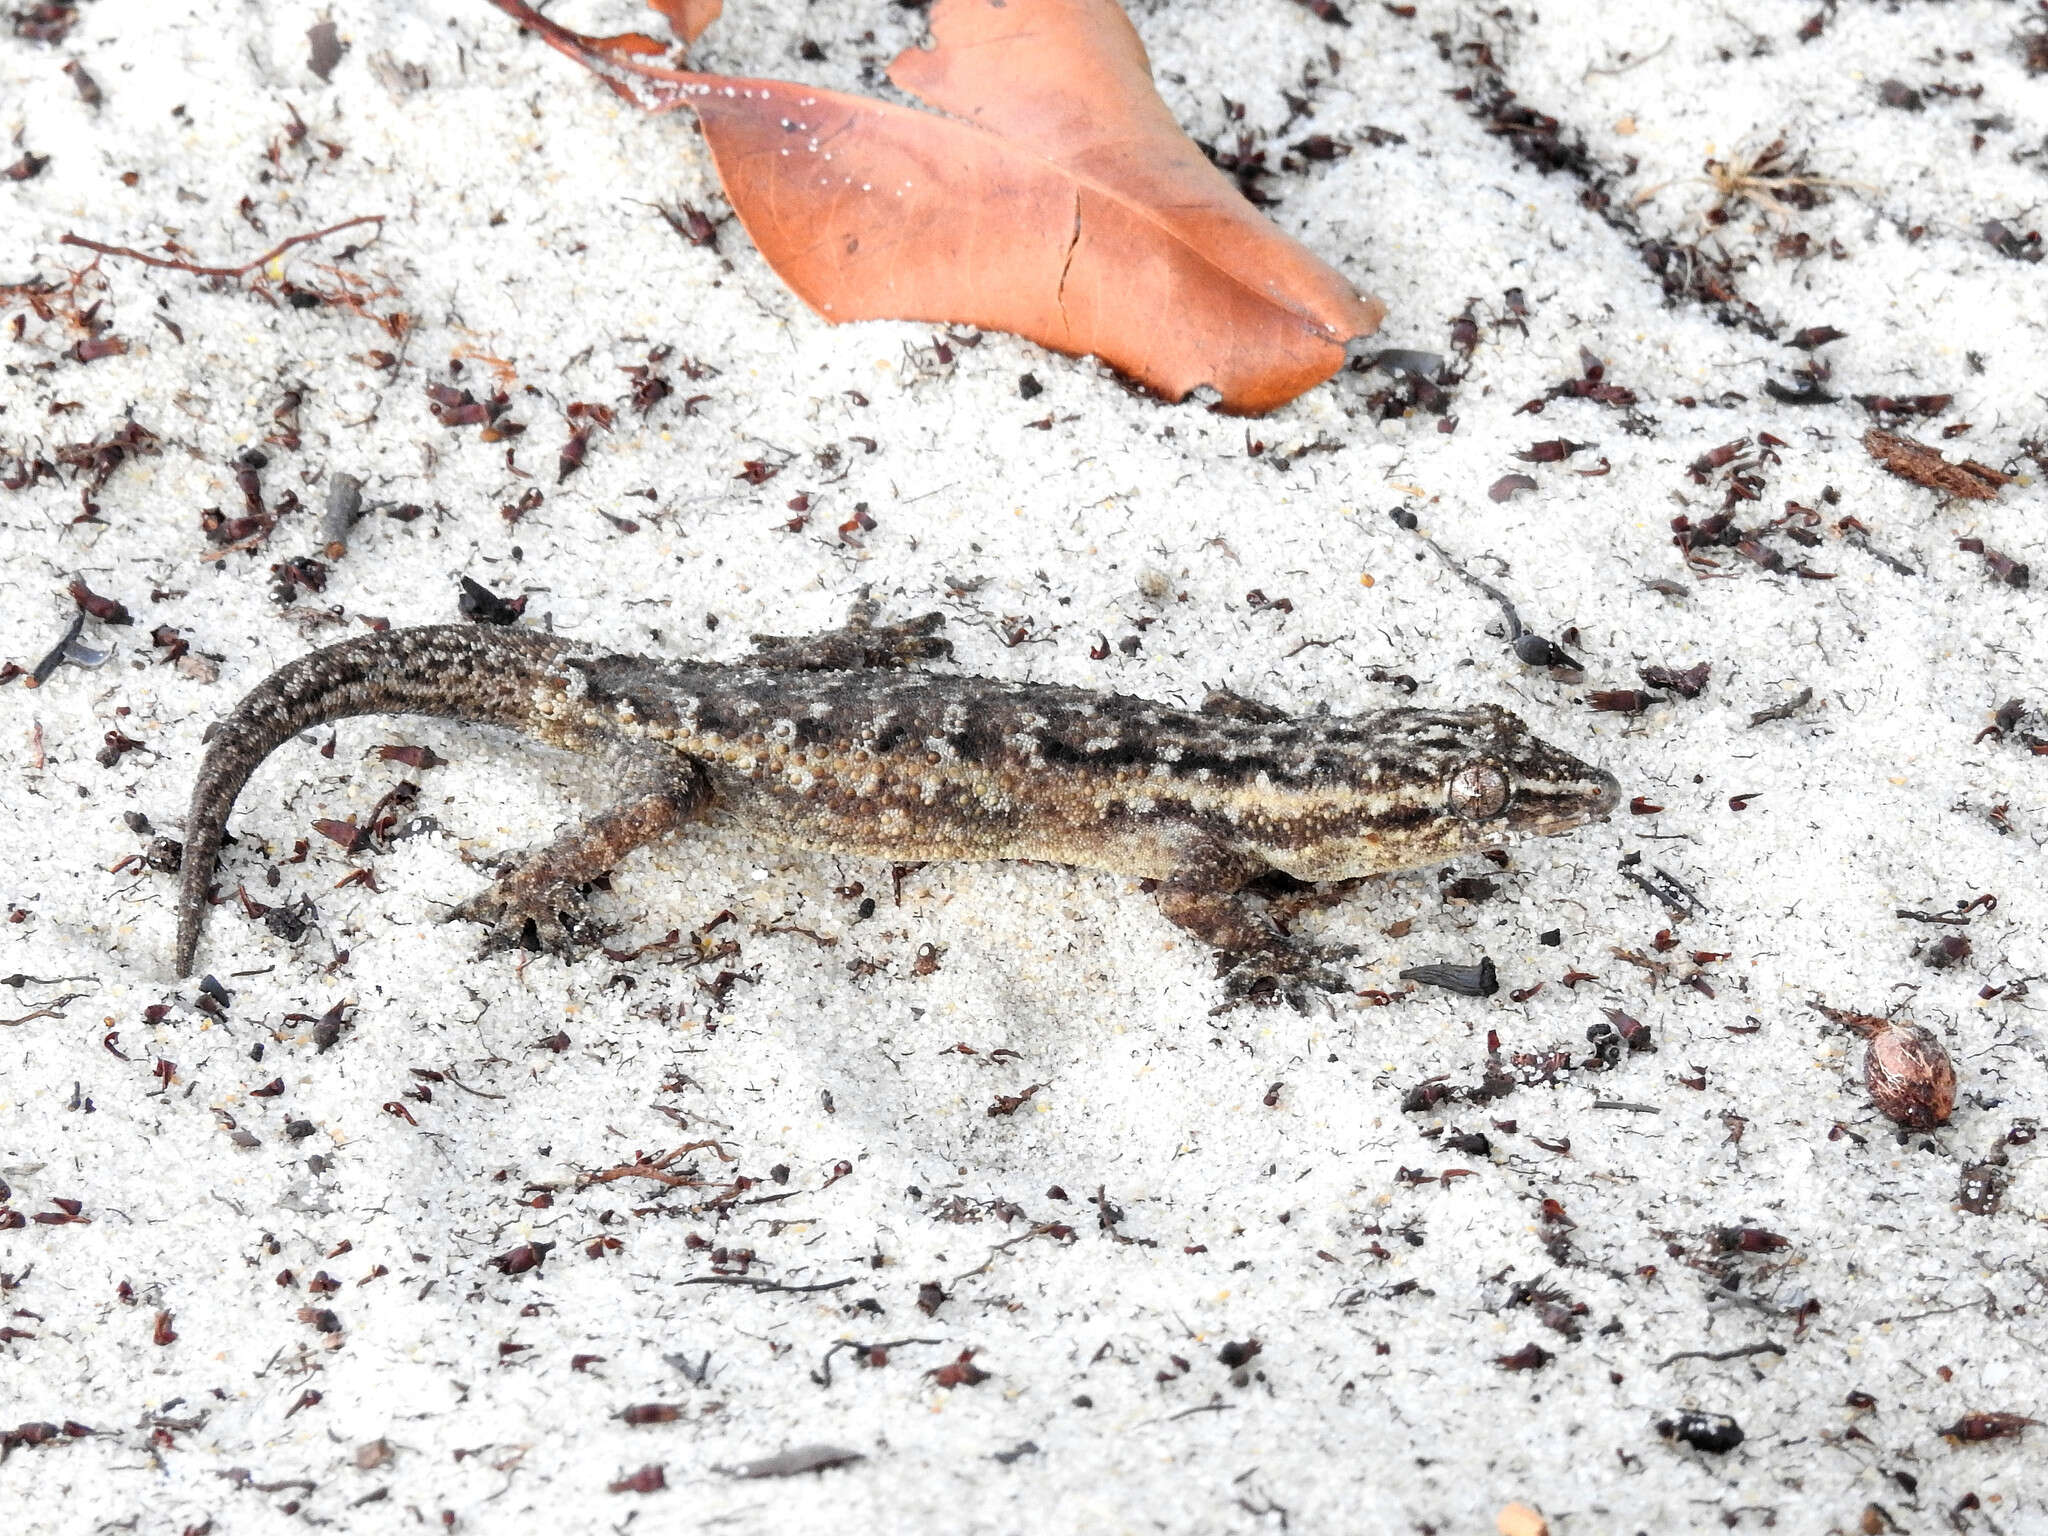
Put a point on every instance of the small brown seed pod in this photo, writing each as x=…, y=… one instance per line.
x=1910, y=1078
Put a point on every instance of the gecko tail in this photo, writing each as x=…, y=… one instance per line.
x=467, y=672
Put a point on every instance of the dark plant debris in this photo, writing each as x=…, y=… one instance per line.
x=1688, y=684
x=2002, y=568
x=1974, y=1428
x=2010, y=244
x=1915, y=461
x=1480, y=980
x=1686, y=272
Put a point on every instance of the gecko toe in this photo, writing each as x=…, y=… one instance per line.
x=533, y=916
x=859, y=643
x=1268, y=978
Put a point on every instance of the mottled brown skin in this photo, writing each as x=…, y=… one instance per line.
x=823, y=743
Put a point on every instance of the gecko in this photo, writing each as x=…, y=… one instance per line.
x=840, y=743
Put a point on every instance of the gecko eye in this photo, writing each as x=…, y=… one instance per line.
x=1479, y=791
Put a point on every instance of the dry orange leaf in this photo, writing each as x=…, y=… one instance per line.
x=688, y=17
x=1059, y=201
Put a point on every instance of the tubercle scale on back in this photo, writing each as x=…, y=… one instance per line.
x=453, y=671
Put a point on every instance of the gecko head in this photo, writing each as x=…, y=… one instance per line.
x=1431, y=784
x=1500, y=781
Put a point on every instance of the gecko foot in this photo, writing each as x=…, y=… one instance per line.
x=557, y=911
x=1264, y=978
x=861, y=643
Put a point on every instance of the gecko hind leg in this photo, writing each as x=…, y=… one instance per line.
x=859, y=643
x=659, y=792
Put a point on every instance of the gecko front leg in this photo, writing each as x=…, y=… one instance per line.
x=1258, y=963
x=659, y=791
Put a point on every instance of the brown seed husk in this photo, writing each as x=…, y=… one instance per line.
x=1910, y=1078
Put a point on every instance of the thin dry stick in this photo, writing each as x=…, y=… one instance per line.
x=244, y=270
x=48, y=1010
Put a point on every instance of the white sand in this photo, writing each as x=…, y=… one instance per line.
x=521, y=227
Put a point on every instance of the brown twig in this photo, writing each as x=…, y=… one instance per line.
x=47, y=1011
x=656, y=1169
x=1213, y=1406
x=179, y=265
x=1767, y=1347
x=757, y=1283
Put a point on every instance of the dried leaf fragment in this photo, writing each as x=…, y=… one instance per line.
x=1915, y=461
x=1550, y=451
x=1809, y=337
x=1688, y=684
x=649, y=1479
x=1987, y=1426
x=2003, y=568
x=650, y=1413
x=961, y=1372
x=1060, y=201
